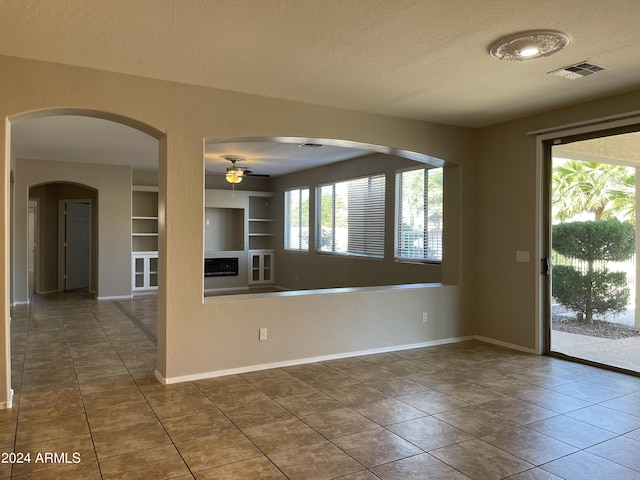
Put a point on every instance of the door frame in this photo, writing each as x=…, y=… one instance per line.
x=35, y=243
x=545, y=139
x=61, y=239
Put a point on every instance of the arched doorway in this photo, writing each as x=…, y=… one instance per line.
x=62, y=255
x=77, y=175
x=101, y=152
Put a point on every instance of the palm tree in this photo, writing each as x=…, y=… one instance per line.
x=606, y=190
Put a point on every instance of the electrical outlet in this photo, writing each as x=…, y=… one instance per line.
x=263, y=334
x=425, y=317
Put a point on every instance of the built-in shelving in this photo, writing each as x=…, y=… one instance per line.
x=261, y=254
x=144, y=238
x=240, y=225
x=260, y=223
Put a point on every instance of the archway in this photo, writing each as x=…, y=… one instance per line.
x=245, y=224
x=110, y=274
x=65, y=244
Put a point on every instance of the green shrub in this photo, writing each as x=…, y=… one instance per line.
x=595, y=240
x=601, y=292
x=597, y=290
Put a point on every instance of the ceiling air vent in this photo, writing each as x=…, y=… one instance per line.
x=578, y=70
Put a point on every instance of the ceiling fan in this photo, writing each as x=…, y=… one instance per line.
x=235, y=174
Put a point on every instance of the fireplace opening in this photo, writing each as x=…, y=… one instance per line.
x=220, y=267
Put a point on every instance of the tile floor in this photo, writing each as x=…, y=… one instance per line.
x=82, y=371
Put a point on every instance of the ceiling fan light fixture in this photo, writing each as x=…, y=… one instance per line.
x=529, y=45
x=234, y=175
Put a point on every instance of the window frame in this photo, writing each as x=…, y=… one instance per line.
x=287, y=233
x=398, y=223
x=362, y=248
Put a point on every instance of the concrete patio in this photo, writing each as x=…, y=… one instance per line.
x=621, y=353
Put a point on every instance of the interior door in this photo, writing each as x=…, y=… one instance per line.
x=31, y=246
x=77, y=245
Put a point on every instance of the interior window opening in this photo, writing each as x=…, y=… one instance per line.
x=273, y=226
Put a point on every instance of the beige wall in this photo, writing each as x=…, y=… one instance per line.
x=316, y=325
x=113, y=186
x=190, y=330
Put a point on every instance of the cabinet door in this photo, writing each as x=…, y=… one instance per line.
x=267, y=267
x=254, y=273
x=139, y=269
x=144, y=272
x=153, y=272
x=261, y=267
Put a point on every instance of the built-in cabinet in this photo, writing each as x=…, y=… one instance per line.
x=145, y=271
x=261, y=254
x=261, y=267
x=144, y=239
x=239, y=225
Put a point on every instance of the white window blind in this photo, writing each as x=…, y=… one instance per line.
x=419, y=201
x=296, y=219
x=350, y=217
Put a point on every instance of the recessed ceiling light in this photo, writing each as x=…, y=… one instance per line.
x=529, y=45
x=529, y=52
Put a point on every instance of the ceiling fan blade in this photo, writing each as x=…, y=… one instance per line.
x=247, y=174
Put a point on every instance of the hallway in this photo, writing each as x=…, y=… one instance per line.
x=83, y=374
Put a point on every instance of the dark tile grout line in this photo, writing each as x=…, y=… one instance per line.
x=138, y=324
x=136, y=321
x=84, y=408
x=24, y=355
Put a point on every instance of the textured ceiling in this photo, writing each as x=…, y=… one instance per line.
x=418, y=59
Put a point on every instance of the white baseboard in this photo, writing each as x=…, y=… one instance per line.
x=225, y=289
x=8, y=403
x=302, y=361
x=115, y=297
x=505, y=344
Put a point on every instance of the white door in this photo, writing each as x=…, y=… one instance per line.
x=31, y=245
x=77, y=245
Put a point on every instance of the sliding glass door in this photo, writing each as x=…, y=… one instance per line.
x=592, y=231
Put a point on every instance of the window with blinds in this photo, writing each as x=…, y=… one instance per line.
x=419, y=203
x=350, y=217
x=296, y=219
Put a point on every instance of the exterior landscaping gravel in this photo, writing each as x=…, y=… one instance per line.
x=599, y=328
